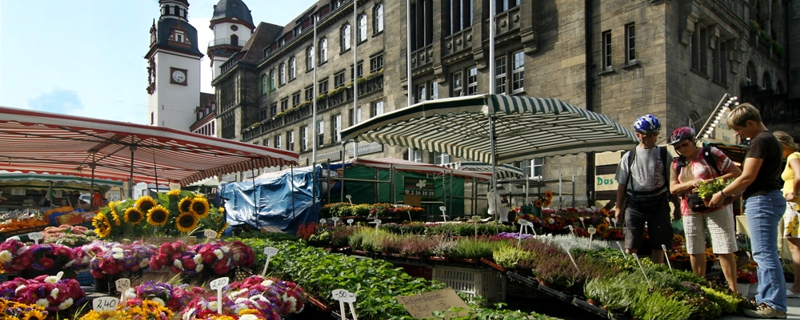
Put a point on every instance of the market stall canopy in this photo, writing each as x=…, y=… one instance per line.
x=524, y=128
x=61, y=144
x=405, y=165
x=505, y=171
x=56, y=181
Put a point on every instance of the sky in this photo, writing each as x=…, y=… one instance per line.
x=86, y=57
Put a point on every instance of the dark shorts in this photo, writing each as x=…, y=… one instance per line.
x=654, y=211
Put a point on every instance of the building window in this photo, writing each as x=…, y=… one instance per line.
x=376, y=109
x=309, y=93
x=284, y=104
x=362, y=28
x=751, y=74
x=460, y=15
x=699, y=49
x=320, y=133
x=264, y=84
x=360, y=71
x=456, y=84
x=377, y=23
x=518, y=72
x=422, y=23
x=630, y=43
x=421, y=90
x=504, y=5
x=433, y=90
x=310, y=58
x=345, y=38
x=295, y=99
x=272, y=85
x=323, y=50
x=290, y=141
x=500, y=75
x=304, y=138
x=472, y=81
x=355, y=116
x=323, y=87
x=292, y=68
x=278, y=144
x=338, y=79
x=533, y=168
x=414, y=155
x=376, y=63
x=263, y=114
x=607, y=50
x=441, y=158
x=283, y=74
x=336, y=127
x=266, y=143
x=273, y=109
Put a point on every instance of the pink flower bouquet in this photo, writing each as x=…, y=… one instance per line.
x=222, y=257
x=122, y=258
x=178, y=257
x=17, y=256
x=48, y=292
x=286, y=295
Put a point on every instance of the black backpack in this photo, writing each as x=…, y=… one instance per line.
x=632, y=156
x=706, y=151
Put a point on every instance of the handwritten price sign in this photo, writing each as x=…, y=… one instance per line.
x=36, y=236
x=210, y=234
x=270, y=252
x=105, y=304
x=218, y=284
x=344, y=296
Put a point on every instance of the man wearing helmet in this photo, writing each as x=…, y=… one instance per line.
x=693, y=166
x=643, y=190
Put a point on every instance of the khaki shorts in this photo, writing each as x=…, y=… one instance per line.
x=720, y=225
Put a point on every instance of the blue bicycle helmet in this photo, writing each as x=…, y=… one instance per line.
x=647, y=124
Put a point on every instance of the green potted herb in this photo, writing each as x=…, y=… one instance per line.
x=707, y=189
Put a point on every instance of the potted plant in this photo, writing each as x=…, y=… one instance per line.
x=707, y=189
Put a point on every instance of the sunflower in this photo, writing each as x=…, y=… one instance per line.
x=547, y=203
x=185, y=206
x=145, y=203
x=200, y=207
x=602, y=228
x=102, y=225
x=186, y=222
x=221, y=230
x=174, y=193
x=538, y=203
x=548, y=194
x=34, y=315
x=133, y=216
x=158, y=216
x=115, y=217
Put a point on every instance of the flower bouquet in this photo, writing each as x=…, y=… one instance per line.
x=51, y=293
x=85, y=253
x=72, y=236
x=121, y=258
x=178, y=257
x=254, y=308
x=133, y=309
x=286, y=295
x=16, y=310
x=747, y=273
x=174, y=297
x=16, y=256
x=222, y=257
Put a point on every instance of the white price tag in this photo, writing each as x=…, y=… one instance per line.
x=323, y=221
x=123, y=284
x=219, y=283
x=36, y=236
x=377, y=221
x=105, y=304
x=335, y=220
x=210, y=234
x=350, y=221
x=270, y=252
x=344, y=296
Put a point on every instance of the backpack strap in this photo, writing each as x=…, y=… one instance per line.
x=664, y=169
x=710, y=159
x=631, y=157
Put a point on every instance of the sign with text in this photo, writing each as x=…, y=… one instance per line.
x=421, y=306
x=372, y=147
x=421, y=187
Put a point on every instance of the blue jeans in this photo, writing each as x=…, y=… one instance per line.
x=763, y=212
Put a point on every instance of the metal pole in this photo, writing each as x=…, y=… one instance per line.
x=130, y=182
x=91, y=184
x=255, y=192
x=474, y=196
x=491, y=118
x=344, y=164
x=155, y=170
x=392, y=187
x=410, y=99
x=450, y=208
x=291, y=185
x=328, y=177
x=355, y=72
x=494, y=168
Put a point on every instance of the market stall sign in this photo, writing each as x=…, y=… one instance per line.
x=421, y=306
x=422, y=187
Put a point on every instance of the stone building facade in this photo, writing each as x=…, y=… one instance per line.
x=674, y=59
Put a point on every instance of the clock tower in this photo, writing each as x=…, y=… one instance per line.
x=173, y=68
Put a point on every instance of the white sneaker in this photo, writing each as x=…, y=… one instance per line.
x=792, y=295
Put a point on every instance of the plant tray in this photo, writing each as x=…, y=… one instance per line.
x=588, y=307
x=558, y=294
x=522, y=279
x=471, y=281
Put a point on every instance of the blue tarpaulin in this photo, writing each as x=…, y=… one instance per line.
x=284, y=200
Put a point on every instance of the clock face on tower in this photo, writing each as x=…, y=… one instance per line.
x=178, y=76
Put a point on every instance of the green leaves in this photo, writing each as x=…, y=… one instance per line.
x=706, y=189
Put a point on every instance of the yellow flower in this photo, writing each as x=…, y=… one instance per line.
x=538, y=203
x=102, y=227
x=248, y=311
x=548, y=195
x=115, y=218
x=174, y=192
x=133, y=216
x=221, y=230
x=186, y=222
x=185, y=206
x=547, y=202
x=158, y=216
x=34, y=315
x=145, y=203
x=200, y=207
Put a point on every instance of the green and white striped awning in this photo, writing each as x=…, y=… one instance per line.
x=504, y=171
x=524, y=128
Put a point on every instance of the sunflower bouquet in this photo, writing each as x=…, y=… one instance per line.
x=12, y=310
x=544, y=201
x=47, y=292
x=174, y=213
x=133, y=309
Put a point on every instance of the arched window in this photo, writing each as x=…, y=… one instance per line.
x=234, y=40
x=345, y=38
x=362, y=28
x=272, y=79
x=310, y=58
x=283, y=74
x=292, y=68
x=264, y=85
x=750, y=77
x=377, y=19
x=766, y=81
x=323, y=50
x=694, y=120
